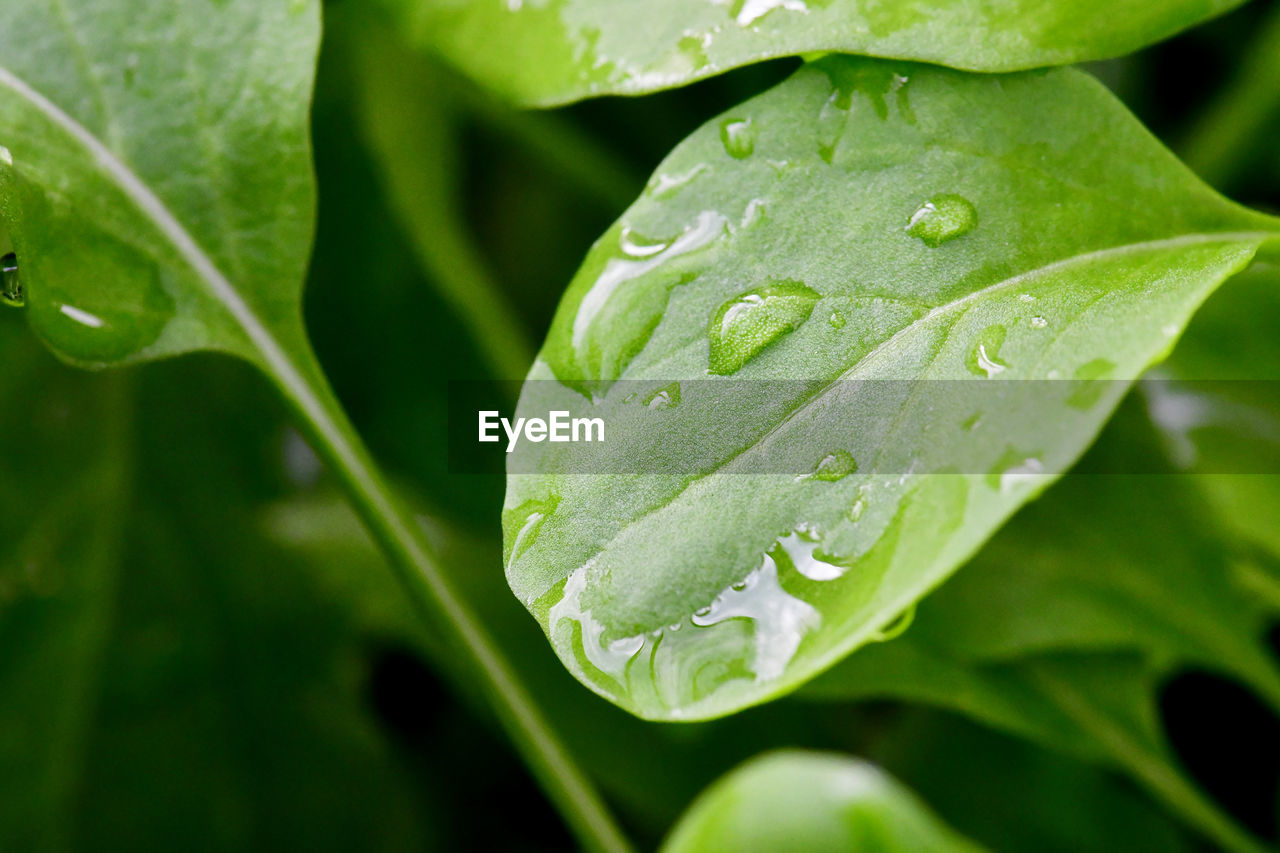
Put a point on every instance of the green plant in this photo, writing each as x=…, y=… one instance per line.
x=866, y=228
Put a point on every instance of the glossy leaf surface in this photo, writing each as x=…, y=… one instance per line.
x=686, y=595
x=156, y=178
x=553, y=51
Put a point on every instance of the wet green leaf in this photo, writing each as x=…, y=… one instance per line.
x=810, y=801
x=156, y=178
x=552, y=51
x=686, y=594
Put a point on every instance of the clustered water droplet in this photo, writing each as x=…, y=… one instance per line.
x=942, y=218
x=751, y=321
x=10, y=282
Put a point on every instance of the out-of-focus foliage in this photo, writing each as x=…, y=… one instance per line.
x=811, y=801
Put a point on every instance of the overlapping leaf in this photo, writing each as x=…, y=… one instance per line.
x=552, y=51
x=156, y=178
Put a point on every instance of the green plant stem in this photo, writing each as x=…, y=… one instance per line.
x=430, y=592
x=1149, y=768
x=1235, y=123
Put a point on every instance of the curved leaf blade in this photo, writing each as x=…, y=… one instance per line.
x=1081, y=255
x=545, y=52
x=158, y=190
x=792, y=800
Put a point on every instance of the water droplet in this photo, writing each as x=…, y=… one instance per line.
x=6, y=156
x=665, y=185
x=1039, y=322
x=942, y=218
x=520, y=525
x=1014, y=469
x=739, y=137
x=751, y=321
x=747, y=12
x=638, y=246
x=803, y=549
x=610, y=657
x=754, y=213
x=837, y=320
x=664, y=398
x=130, y=69
x=834, y=466
x=618, y=313
x=896, y=627
x=1026, y=297
x=855, y=512
x=10, y=282
x=694, y=49
x=780, y=619
x=972, y=422
x=1090, y=382
x=984, y=358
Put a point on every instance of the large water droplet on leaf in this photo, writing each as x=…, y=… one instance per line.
x=803, y=549
x=942, y=218
x=617, y=315
x=118, y=318
x=781, y=620
x=751, y=321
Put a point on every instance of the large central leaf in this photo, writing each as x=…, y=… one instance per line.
x=901, y=225
x=552, y=51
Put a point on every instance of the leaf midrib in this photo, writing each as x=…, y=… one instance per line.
x=1084, y=258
